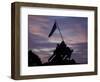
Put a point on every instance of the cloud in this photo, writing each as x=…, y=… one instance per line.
x=80, y=53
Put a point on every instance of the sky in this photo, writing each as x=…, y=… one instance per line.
x=73, y=29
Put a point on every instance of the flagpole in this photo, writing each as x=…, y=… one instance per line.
x=60, y=32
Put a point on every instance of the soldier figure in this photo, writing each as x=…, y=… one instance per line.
x=61, y=54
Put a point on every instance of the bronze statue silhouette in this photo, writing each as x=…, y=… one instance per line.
x=62, y=55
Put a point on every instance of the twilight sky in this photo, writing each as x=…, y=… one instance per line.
x=73, y=29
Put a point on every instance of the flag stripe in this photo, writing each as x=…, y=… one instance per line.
x=53, y=29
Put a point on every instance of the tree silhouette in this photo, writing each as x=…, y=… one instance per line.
x=33, y=59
